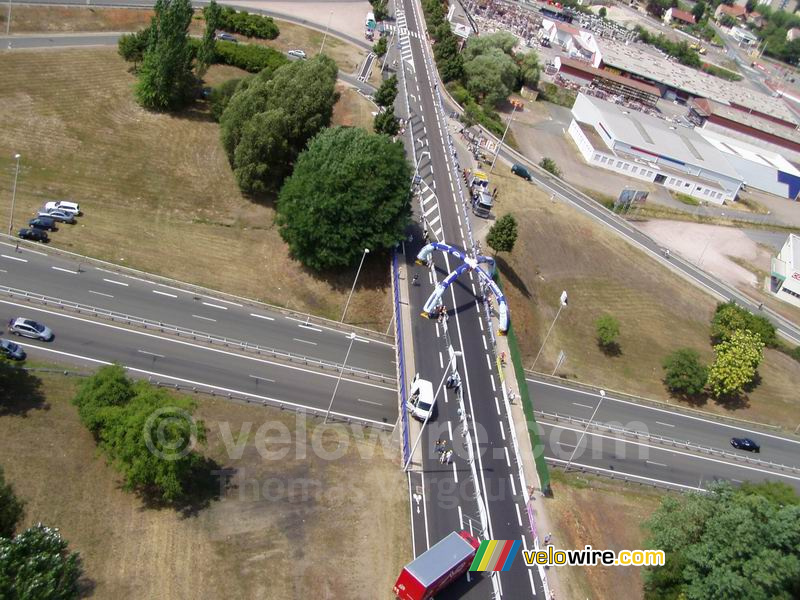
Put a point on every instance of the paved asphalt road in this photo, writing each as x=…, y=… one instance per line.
x=82, y=340
x=58, y=277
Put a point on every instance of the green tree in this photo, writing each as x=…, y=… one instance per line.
x=380, y=47
x=529, y=70
x=685, y=375
x=729, y=318
x=484, y=44
x=602, y=13
x=349, y=190
x=725, y=544
x=736, y=363
x=387, y=93
x=607, y=328
x=380, y=10
x=699, y=10
x=132, y=46
x=37, y=564
x=491, y=76
x=11, y=508
x=727, y=21
x=108, y=387
x=221, y=95
x=549, y=165
x=750, y=5
x=503, y=234
x=386, y=122
x=207, y=53
x=452, y=69
x=165, y=77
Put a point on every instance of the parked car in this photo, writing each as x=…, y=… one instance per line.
x=47, y=223
x=226, y=37
x=29, y=328
x=11, y=350
x=745, y=444
x=33, y=234
x=65, y=205
x=297, y=53
x=58, y=215
x=518, y=169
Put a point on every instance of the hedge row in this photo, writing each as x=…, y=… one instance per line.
x=250, y=57
x=244, y=23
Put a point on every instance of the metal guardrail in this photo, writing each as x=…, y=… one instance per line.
x=677, y=408
x=626, y=477
x=667, y=441
x=400, y=350
x=193, y=334
x=195, y=289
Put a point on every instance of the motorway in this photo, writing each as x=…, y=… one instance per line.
x=82, y=340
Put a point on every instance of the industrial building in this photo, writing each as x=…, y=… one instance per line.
x=785, y=272
x=586, y=74
x=651, y=149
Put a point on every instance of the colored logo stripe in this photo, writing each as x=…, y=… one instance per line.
x=495, y=555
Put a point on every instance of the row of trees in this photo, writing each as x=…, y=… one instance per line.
x=385, y=120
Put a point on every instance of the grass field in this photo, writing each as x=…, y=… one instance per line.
x=157, y=190
x=64, y=19
x=291, y=528
x=561, y=249
x=607, y=515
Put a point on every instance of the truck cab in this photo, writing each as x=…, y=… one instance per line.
x=482, y=203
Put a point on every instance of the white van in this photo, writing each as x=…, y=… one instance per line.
x=420, y=399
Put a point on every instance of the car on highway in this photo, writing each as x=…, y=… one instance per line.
x=297, y=53
x=11, y=350
x=47, y=223
x=226, y=37
x=30, y=328
x=57, y=214
x=33, y=234
x=745, y=444
x=420, y=399
x=65, y=205
x=518, y=169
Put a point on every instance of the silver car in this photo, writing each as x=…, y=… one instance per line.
x=30, y=328
x=11, y=350
x=59, y=215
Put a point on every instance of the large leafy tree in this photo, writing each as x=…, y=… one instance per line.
x=483, y=44
x=529, y=70
x=729, y=318
x=725, y=544
x=11, y=508
x=387, y=93
x=491, y=76
x=165, y=77
x=270, y=118
x=132, y=46
x=386, y=122
x=206, y=54
x=736, y=362
x=37, y=564
x=607, y=328
x=349, y=191
x=503, y=234
x=684, y=374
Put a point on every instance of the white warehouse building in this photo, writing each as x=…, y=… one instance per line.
x=647, y=148
x=785, y=275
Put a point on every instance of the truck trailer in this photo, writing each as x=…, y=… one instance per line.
x=438, y=567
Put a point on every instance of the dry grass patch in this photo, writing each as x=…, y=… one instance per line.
x=63, y=19
x=265, y=538
x=606, y=515
x=559, y=249
x=353, y=109
x=157, y=189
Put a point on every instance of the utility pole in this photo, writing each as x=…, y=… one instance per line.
x=500, y=145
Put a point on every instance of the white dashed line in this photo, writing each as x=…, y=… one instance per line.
x=369, y=402
x=513, y=486
x=14, y=258
x=215, y=306
x=167, y=294
x=310, y=327
x=485, y=347
x=494, y=389
x=257, y=378
x=101, y=294
x=116, y=282
x=304, y=341
x=665, y=424
x=508, y=458
x=204, y=318
x=583, y=405
x=658, y=464
x=502, y=431
x=519, y=515
x=488, y=362
x=153, y=354
x=70, y=271
x=262, y=317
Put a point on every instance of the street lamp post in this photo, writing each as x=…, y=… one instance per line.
x=352, y=336
x=451, y=367
x=14, y=195
x=596, y=408
x=361, y=264
x=8, y=19
x=416, y=170
x=324, y=37
x=502, y=139
x=388, y=47
x=562, y=304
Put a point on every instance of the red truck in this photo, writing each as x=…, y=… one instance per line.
x=435, y=569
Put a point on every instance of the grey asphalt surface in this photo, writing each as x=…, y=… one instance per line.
x=660, y=422
x=80, y=340
x=58, y=277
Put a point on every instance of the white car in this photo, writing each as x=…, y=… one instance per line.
x=297, y=53
x=65, y=205
x=420, y=399
x=30, y=328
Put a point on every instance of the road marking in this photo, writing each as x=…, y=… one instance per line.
x=508, y=458
x=106, y=270
x=497, y=405
x=441, y=363
x=115, y=282
x=658, y=464
x=616, y=473
x=196, y=347
x=64, y=270
x=362, y=340
x=455, y=472
x=530, y=577
x=165, y=294
x=665, y=424
x=101, y=294
x=215, y=306
x=460, y=517
x=513, y=486
x=488, y=362
x=485, y=347
x=150, y=353
x=14, y=258
x=494, y=389
x=3, y=271
x=262, y=317
x=257, y=378
x=310, y=327
x=305, y=341
x=519, y=516
x=369, y=402
x=583, y=405
x=502, y=431
x=204, y=318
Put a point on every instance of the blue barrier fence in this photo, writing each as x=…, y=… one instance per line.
x=399, y=348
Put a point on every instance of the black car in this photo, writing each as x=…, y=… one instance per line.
x=518, y=169
x=745, y=444
x=43, y=223
x=37, y=235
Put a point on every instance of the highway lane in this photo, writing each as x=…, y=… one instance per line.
x=59, y=277
x=30, y=41
x=653, y=464
x=80, y=340
x=552, y=398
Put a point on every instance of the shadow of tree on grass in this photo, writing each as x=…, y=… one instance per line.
x=20, y=391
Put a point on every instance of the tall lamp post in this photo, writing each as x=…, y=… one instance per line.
x=8, y=19
x=502, y=139
x=419, y=160
x=14, y=195
x=562, y=304
x=361, y=264
x=596, y=408
x=352, y=336
x=324, y=37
